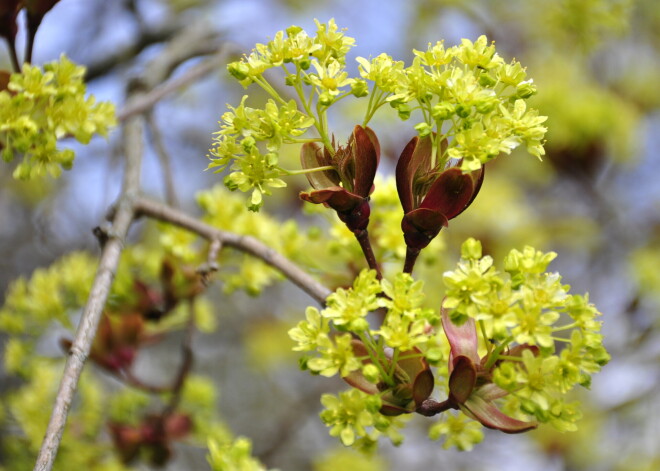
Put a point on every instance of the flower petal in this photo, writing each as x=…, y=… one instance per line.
x=414, y=160
x=491, y=417
x=450, y=194
x=366, y=159
x=311, y=157
x=462, y=379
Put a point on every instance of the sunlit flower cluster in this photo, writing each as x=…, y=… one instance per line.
x=466, y=94
x=386, y=365
x=466, y=97
x=40, y=107
x=539, y=340
x=506, y=346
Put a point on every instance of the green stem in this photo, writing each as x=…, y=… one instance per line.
x=510, y=358
x=393, y=363
x=496, y=353
x=305, y=170
x=482, y=327
x=564, y=327
x=269, y=89
x=371, y=349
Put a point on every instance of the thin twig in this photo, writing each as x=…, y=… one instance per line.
x=157, y=71
x=411, y=258
x=163, y=158
x=186, y=361
x=365, y=244
x=11, y=45
x=98, y=295
x=150, y=99
x=122, y=55
x=211, y=265
x=429, y=407
x=254, y=247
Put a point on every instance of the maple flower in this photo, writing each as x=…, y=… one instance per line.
x=410, y=385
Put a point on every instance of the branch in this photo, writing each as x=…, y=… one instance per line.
x=176, y=52
x=163, y=158
x=254, y=247
x=147, y=101
x=98, y=295
x=122, y=55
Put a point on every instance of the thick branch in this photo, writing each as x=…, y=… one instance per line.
x=156, y=72
x=254, y=247
x=97, y=297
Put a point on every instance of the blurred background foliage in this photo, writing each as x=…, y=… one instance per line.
x=594, y=199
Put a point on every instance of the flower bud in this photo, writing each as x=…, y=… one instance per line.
x=291, y=80
x=525, y=89
x=371, y=373
x=359, y=88
x=487, y=80
x=423, y=129
x=404, y=111
x=239, y=70
x=485, y=106
x=443, y=111
x=326, y=99
x=463, y=110
x=293, y=30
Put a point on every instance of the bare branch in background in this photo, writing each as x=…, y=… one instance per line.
x=163, y=158
x=93, y=310
x=176, y=52
x=123, y=55
x=197, y=71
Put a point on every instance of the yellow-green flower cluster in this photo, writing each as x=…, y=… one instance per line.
x=40, y=107
x=294, y=46
x=227, y=211
x=458, y=430
x=526, y=306
x=330, y=336
x=32, y=304
x=406, y=325
x=249, y=140
x=466, y=94
x=353, y=416
x=233, y=456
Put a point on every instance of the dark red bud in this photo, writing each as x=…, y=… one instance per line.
x=420, y=227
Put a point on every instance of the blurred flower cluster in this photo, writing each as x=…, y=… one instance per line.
x=39, y=107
